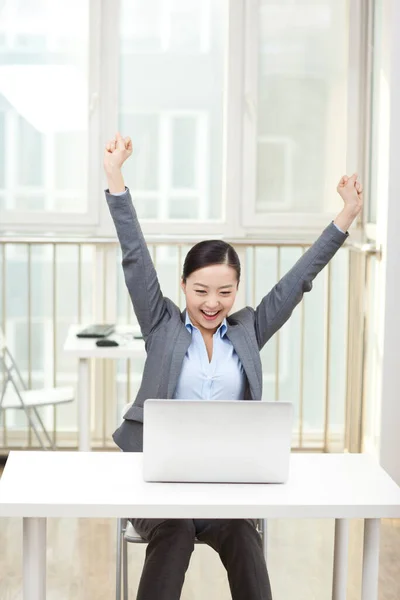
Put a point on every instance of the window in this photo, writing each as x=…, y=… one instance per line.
x=295, y=120
x=44, y=49
x=237, y=112
x=171, y=103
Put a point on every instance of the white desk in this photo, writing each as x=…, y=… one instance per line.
x=38, y=485
x=84, y=349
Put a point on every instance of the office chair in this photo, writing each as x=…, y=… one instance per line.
x=126, y=534
x=15, y=395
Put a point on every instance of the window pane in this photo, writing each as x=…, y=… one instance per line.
x=2, y=148
x=142, y=171
x=184, y=152
x=43, y=103
x=185, y=25
x=65, y=154
x=301, y=104
x=29, y=203
x=159, y=26
x=141, y=26
x=147, y=208
x=171, y=94
x=274, y=161
x=183, y=208
x=30, y=159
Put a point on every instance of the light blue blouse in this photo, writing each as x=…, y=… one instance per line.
x=221, y=379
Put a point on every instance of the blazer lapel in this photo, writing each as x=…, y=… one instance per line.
x=180, y=344
x=238, y=336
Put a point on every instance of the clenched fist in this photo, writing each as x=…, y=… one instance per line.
x=351, y=192
x=116, y=152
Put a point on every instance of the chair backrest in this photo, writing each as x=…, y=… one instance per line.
x=9, y=371
x=2, y=340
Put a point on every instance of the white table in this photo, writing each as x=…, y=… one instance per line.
x=84, y=349
x=38, y=485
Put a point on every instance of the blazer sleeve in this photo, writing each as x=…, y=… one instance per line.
x=139, y=272
x=277, y=306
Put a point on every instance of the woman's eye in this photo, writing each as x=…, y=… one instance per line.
x=225, y=293
x=200, y=291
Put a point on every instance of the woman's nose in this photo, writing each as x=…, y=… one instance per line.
x=212, y=304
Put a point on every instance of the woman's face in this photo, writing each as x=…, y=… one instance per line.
x=210, y=293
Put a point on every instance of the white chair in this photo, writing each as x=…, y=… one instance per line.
x=15, y=395
x=126, y=534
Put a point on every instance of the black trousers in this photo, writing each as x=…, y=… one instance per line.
x=171, y=543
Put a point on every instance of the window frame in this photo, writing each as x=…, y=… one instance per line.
x=239, y=217
x=54, y=221
x=371, y=226
x=288, y=224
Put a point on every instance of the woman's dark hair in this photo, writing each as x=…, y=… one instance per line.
x=210, y=252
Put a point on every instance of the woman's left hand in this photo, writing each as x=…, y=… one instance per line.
x=351, y=192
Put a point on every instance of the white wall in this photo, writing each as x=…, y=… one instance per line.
x=388, y=235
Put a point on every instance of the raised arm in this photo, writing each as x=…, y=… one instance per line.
x=277, y=306
x=139, y=272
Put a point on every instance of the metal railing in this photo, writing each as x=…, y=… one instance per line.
x=314, y=360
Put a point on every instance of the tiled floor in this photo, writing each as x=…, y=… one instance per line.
x=81, y=561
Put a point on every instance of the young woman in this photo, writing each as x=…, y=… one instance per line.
x=204, y=352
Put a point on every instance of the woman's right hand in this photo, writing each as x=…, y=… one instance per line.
x=116, y=152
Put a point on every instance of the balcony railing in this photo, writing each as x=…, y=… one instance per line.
x=47, y=284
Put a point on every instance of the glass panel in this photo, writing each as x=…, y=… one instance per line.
x=183, y=208
x=29, y=312
x=142, y=171
x=184, y=136
x=274, y=162
x=178, y=48
x=30, y=155
x=2, y=148
x=42, y=315
x=30, y=203
x=44, y=102
x=373, y=358
x=299, y=373
x=147, y=207
x=68, y=202
x=185, y=24
x=301, y=134
x=159, y=26
x=338, y=347
x=66, y=144
x=141, y=26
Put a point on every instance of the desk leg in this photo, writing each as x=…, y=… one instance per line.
x=84, y=404
x=370, y=568
x=34, y=559
x=340, y=559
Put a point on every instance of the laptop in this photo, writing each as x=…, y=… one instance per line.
x=224, y=441
x=96, y=330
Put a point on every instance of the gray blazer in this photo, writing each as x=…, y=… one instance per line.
x=162, y=323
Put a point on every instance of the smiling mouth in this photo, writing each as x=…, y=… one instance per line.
x=210, y=316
